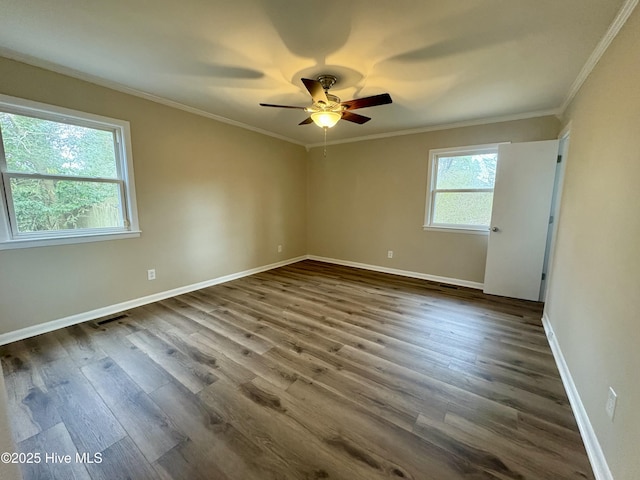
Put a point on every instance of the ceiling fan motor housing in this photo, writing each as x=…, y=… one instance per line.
x=327, y=81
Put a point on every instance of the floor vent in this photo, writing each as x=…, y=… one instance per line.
x=111, y=319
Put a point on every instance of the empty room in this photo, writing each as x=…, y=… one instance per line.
x=272, y=239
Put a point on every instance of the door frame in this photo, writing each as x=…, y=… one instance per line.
x=565, y=142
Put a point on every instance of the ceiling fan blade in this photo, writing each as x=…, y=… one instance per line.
x=316, y=90
x=373, y=101
x=306, y=121
x=280, y=106
x=354, y=117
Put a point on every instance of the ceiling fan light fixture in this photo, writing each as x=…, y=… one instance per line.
x=327, y=109
x=326, y=119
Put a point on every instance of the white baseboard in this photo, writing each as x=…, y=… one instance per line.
x=46, y=327
x=404, y=273
x=50, y=326
x=591, y=444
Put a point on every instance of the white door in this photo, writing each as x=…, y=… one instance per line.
x=520, y=219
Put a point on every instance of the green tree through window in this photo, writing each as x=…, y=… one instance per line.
x=460, y=192
x=65, y=176
x=63, y=169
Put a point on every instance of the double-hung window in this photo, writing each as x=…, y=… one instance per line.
x=67, y=176
x=460, y=188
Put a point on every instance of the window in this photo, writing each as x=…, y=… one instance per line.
x=460, y=192
x=67, y=176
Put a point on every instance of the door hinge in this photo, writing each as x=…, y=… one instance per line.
x=559, y=159
x=551, y=219
x=544, y=276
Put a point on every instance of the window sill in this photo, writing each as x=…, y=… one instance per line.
x=50, y=241
x=471, y=231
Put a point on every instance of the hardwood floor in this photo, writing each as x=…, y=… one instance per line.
x=310, y=371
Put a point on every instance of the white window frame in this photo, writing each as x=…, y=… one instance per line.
x=9, y=237
x=431, y=187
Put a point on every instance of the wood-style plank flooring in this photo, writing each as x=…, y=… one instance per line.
x=310, y=371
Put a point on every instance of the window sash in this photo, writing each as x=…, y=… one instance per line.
x=434, y=193
x=461, y=190
x=13, y=221
x=473, y=216
x=71, y=178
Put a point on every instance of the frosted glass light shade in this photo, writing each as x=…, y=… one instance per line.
x=326, y=119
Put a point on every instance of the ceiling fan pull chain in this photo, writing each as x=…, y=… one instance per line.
x=325, y=141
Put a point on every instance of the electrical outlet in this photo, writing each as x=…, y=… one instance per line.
x=611, y=403
x=151, y=274
x=279, y=248
x=390, y=254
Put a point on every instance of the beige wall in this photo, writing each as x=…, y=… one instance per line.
x=366, y=198
x=594, y=299
x=213, y=199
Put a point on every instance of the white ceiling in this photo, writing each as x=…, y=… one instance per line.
x=442, y=61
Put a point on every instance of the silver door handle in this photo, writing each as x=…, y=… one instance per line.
x=495, y=229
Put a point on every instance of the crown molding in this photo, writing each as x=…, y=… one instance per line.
x=615, y=27
x=445, y=126
x=37, y=62
x=70, y=72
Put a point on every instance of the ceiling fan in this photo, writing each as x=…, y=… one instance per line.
x=327, y=109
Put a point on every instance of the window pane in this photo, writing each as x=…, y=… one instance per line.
x=33, y=145
x=472, y=208
x=469, y=171
x=51, y=205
